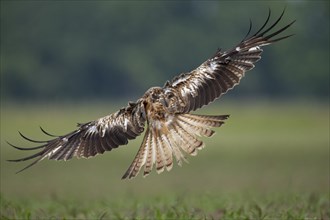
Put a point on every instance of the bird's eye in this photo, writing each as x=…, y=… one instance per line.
x=169, y=94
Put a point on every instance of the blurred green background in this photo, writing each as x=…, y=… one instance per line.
x=115, y=50
x=67, y=62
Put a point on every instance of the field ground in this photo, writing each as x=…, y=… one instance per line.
x=269, y=161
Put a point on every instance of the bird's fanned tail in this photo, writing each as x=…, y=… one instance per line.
x=178, y=138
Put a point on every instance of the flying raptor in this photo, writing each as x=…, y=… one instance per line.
x=165, y=112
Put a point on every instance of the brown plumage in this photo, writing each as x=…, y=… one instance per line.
x=171, y=128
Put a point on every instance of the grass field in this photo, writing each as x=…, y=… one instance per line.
x=269, y=161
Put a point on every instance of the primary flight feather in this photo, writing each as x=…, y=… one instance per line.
x=165, y=112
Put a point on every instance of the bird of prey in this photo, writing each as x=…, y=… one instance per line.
x=165, y=112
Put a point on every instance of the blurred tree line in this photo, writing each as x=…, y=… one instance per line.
x=75, y=50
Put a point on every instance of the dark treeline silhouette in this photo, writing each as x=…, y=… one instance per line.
x=112, y=49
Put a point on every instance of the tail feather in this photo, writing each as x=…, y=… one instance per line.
x=173, y=148
x=138, y=161
x=175, y=144
x=188, y=134
x=160, y=143
x=200, y=131
x=191, y=143
x=150, y=146
x=204, y=120
x=160, y=162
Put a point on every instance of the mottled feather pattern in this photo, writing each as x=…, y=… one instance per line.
x=171, y=130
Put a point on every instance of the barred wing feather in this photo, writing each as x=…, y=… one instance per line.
x=224, y=70
x=91, y=138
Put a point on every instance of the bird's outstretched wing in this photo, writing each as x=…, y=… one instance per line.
x=224, y=70
x=91, y=138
